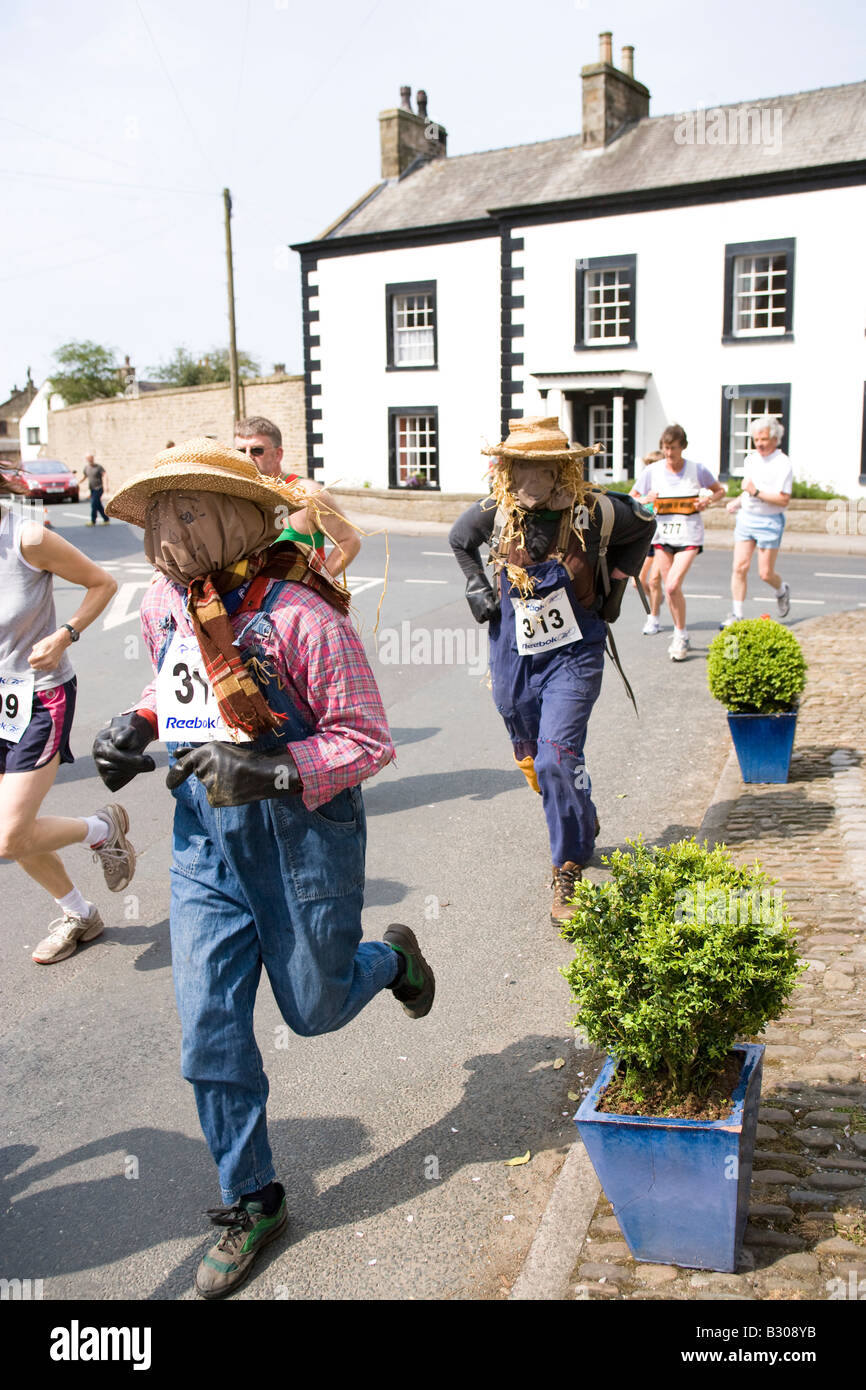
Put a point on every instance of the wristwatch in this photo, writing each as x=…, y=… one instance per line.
x=73, y=635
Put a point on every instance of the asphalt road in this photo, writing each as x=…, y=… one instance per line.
x=391, y=1136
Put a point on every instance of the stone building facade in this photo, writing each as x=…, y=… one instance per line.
x=126, y=432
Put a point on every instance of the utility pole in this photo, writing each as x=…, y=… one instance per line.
x=233, y=342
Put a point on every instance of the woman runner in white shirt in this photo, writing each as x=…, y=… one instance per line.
x=37, y=703
x=679, y=534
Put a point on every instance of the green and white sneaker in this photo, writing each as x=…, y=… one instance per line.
x=248, y=1230
x=417, y=986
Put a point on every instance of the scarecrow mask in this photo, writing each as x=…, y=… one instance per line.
x=190, y=534
x=535, y=485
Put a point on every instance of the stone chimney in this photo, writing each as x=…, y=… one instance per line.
x=405, y=136
x=611, y=96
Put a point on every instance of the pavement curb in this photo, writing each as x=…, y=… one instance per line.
x=554, y=1251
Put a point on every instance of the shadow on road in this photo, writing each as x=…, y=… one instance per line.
x=426, y=789
x=88, y=1223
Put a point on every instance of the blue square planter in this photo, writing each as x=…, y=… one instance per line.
x=763, y=743
x=679, y=1188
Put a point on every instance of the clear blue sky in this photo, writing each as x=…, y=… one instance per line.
x=122, y=120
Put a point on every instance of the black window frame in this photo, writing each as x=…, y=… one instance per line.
x=589, y=263
x=780, y=245
x=747, y=391
x=410, y=287
x=394, y=411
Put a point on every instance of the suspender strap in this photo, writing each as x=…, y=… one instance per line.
x=614, y=656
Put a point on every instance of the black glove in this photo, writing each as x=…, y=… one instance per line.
x=610, y=606
x=118, y=750
x=481, y=599
x=233, y=775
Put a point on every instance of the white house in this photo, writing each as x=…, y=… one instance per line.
x=703, y=267
x=33, y=425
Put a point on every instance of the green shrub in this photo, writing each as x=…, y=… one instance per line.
x=756, y=666
x=678, y=955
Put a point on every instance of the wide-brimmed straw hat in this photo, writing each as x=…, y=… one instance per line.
x=540, y=437
x=202, y=465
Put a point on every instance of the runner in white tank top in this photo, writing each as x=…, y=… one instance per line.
x=37, y=701
x=679, y=533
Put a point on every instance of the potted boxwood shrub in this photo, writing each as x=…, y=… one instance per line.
x=678, y=955
x=757, y=670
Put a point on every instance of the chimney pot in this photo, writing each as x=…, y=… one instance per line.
x=627, y=64
x=605, y=47
x=405, y=98
x=612, y=98
x=421, y=100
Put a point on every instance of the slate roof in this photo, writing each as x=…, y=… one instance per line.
x=815, y=129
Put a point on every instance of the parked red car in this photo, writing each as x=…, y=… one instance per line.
x=49, y=479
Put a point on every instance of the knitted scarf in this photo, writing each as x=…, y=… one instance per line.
x=240, y=701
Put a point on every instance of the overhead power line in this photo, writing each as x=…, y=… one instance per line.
x=169, y=79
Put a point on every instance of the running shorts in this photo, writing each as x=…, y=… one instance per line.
x=46, y=734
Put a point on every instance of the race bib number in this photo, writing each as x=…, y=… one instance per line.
x=544, y=623
x=16, y=705
x=186, y=706
x=680, y=530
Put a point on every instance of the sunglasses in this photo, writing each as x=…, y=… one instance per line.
x=255, y=450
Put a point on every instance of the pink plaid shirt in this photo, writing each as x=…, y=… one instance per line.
x=321, y=662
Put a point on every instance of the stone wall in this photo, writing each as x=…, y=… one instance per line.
x=126, y=432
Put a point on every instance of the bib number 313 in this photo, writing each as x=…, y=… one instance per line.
x=541, y=624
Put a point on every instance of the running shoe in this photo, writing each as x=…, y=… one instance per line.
x=227, y=1264
x=115, y=854
x=417, y=986
x=783, y=600
x=64, y=935
x=679, y=649
x=651, y=626
x=729, y=621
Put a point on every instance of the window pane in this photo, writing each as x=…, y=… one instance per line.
x=417, y=462
x=412, y=318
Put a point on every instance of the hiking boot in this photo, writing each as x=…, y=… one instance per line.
x=783, y=600
x=417, y=985
x=115, y=854
x=67, y=931
x=227, y=1264
x=563, y=882
x=679, y=649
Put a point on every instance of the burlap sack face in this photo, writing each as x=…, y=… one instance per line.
x=535, y=485
x=190, y=534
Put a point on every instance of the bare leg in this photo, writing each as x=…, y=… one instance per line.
x=743, y=552
x=767, y=568
x=651, y=580
x=673, y=571
x=29, y=840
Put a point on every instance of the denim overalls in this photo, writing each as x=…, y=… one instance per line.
x=546, y=700
x=267, y=883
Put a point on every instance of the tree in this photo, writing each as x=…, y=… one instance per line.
x=183, y=369
x=86, y=372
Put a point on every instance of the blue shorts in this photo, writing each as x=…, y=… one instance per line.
x=766, y=531
x=47, y=733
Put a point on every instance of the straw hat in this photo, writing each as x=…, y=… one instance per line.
x=202, y=465
x=540, y=438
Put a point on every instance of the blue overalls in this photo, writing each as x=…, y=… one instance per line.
x=546, y=700
x=273, y=884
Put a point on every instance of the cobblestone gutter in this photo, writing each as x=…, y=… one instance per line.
x=806, y=1237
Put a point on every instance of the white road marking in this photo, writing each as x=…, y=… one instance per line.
x=358, y=583
x=819, y=601
x=425, y=581
x=825, y=574
x=702, y=595
x=443, y=554
x=119, y=612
